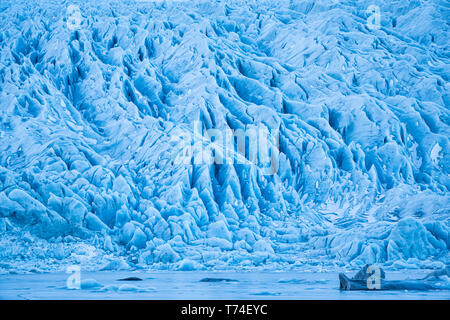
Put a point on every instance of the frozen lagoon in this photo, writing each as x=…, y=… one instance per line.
x=180, y=285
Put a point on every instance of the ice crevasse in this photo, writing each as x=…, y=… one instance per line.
x=90, y=114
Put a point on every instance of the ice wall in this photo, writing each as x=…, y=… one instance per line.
x=94, y=109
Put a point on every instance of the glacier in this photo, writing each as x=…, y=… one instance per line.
x=98, y=101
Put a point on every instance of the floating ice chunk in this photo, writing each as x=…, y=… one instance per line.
x=266, y=293
x=293, y=281
x=218, y=280
x=87, y=284
x=130, y=279
x=128, y=288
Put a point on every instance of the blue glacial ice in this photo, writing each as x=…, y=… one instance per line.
x=96, y=98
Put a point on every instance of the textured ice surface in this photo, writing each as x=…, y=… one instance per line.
x=92, y=118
